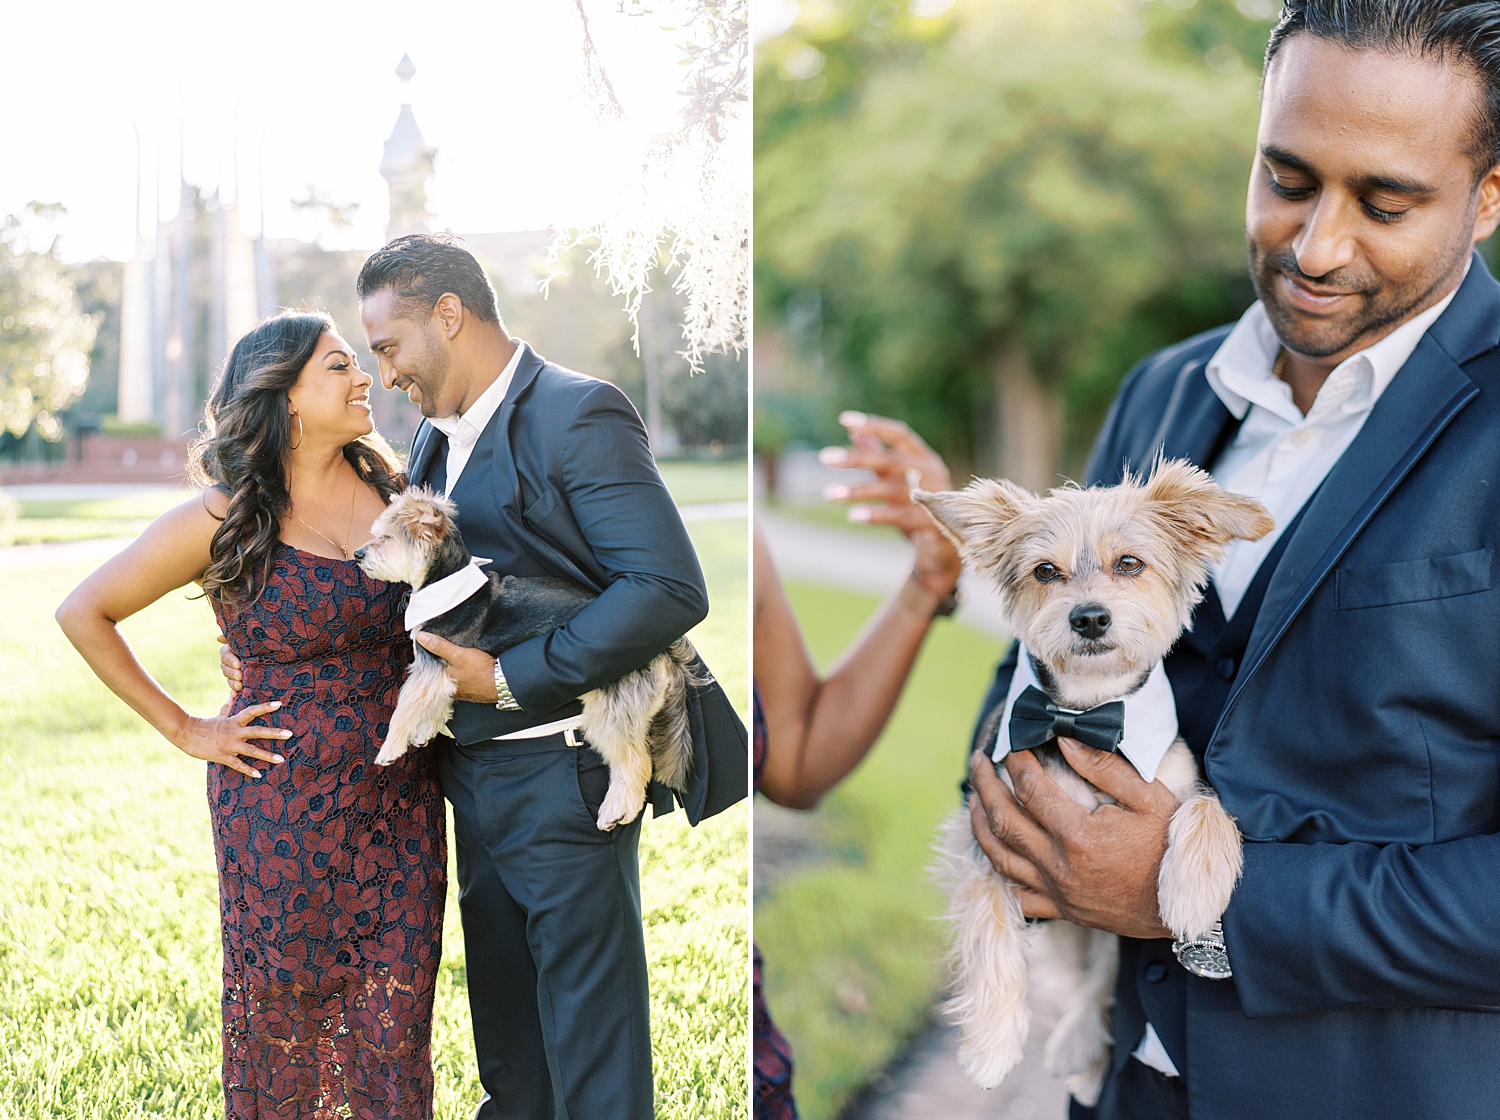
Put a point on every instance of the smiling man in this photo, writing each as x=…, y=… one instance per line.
x=1341, y=682
x=552, y=476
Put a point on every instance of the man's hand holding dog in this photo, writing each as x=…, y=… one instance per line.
x=1095, y=869
x=472, y=670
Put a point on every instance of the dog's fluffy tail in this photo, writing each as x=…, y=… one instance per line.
x=669, y=738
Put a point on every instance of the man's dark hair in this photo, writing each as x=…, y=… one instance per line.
x=423, y=267
x=1463, y=32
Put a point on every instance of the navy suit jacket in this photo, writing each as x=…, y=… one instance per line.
x=578, y=490
x=1359, y=750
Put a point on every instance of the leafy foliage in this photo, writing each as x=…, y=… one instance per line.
x=44, y=336
x=1061, y=181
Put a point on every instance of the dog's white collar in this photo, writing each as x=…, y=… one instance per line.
x=437, y=598
x=1150, y=717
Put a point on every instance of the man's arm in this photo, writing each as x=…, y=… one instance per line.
x=655, y=591
x=1318, y=926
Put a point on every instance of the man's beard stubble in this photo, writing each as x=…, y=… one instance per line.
x=430, y=373
x=1383, y=306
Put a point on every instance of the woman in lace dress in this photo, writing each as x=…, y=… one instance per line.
x=331, y=870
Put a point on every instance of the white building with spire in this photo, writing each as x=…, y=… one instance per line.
x=407, y=164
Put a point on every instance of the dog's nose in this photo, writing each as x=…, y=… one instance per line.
x=359, y=553
x=1089, y=621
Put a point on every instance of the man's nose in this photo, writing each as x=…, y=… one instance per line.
x=387, y=373
x=1324, y=244
x=1089, y=620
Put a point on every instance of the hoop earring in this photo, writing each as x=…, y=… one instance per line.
x=298, y=444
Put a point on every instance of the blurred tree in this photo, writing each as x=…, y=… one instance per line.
x=1003, y=207
x=45, y=337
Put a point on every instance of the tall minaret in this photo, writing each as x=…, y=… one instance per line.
x=135, y=404
x=407, y=164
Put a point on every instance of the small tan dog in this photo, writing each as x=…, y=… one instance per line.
x=638, y=723
x=1097, y=584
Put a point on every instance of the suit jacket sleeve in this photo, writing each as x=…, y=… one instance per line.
x=1313, y=927
x=655, y=591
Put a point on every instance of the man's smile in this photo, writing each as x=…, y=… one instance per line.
x=1313, y=300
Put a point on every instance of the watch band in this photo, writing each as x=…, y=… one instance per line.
x=1206, y=956
x=925, y=601
x=503, y=698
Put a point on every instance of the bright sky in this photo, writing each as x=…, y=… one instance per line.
x=305, y=93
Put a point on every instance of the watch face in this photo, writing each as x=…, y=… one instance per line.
x=1205, y=959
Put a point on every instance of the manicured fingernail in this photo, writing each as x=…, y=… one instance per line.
x=832, y=456
x=859, y=513
x=285, y=735
x=851, y=419
x=275, y=703
x=277, y=758
x=835, y=493
x=255, y=773
x=913, y=477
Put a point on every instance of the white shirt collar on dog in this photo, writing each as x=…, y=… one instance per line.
x=437, y=598
x=1150, y=717
x=463, y=431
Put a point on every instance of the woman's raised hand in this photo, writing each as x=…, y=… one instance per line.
x=227, y=739
x=901, y=462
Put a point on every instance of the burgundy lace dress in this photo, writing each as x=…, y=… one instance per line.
x=332, y=870
x=773, y=1056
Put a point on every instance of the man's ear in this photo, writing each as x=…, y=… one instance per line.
x=1199, y=512
x=448, y=314
x=977, y=515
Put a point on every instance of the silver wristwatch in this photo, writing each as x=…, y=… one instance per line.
x=503, y=698
x=1205, y=956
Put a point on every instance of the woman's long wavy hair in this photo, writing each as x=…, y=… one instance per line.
x=246, y=448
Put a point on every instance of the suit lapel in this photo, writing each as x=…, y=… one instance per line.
x=421, y=453
x=1191, y=427
x=1418, y=404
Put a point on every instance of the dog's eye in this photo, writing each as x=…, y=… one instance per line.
x=1130, y=565
x=1046, y=572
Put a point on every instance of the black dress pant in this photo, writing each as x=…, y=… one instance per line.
x=551, y=910
x=1137, y=1092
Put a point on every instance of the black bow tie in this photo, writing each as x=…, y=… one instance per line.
x=1035, y=721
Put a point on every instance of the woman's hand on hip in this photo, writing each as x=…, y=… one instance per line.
x=228, y=740
x=901, y=461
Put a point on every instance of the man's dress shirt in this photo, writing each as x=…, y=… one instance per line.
x=1281, y=457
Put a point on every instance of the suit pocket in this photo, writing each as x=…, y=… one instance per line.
x=539, y=510
x=1414, y=581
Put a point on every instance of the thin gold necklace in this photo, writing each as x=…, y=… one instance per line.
x=348, y=532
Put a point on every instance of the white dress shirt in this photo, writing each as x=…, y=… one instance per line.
x=1281, y=456
x=463, y=431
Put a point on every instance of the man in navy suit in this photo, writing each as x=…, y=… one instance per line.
x=1341, y=683
x=552, y=476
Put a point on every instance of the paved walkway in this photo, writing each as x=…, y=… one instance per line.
x=926, y=1083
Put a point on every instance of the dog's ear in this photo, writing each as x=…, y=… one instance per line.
x=419, y=519
x=978, y=514
x=1198, y=511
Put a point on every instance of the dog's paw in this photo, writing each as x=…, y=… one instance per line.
x=1202, y=864
x=390, y=751
x=621, y=804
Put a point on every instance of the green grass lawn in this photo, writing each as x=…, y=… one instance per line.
x=109, y=943
x=692, y=482
x=853, y=953
x=38, y=522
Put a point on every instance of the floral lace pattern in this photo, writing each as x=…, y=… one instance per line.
x=773, y=1055
x=332, y=870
